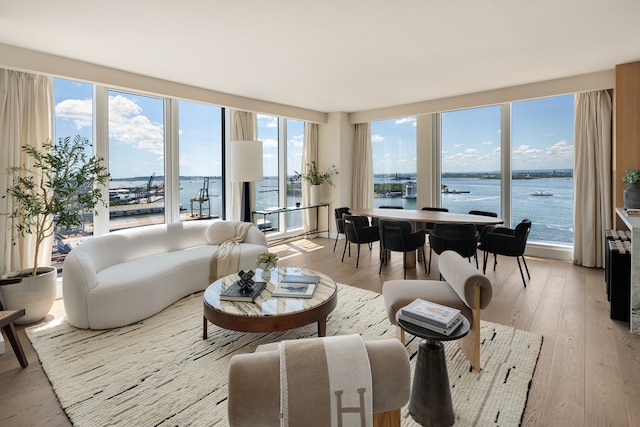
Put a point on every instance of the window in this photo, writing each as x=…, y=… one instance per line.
x=542, y=163
x=539, y=150
x=267, y=191
x=136, y=160
x=295, y=140
x=73, y=116
x=200, y=167
x=470, y=142
x=394, y=162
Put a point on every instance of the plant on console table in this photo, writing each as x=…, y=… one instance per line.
x=632, y=192
x=55, y=188
x=315, y=178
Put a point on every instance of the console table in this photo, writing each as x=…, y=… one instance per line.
x=633, y=223
x=277, y=210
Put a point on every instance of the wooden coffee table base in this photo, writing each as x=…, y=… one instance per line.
x=322, y=327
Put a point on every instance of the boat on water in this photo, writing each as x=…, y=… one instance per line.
x=541, y=193
x=446, y=190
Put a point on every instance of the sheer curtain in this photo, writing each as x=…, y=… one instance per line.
x=592, y=177
x=362, y=167
x=26, y=117
x=244, y=127
x=309, y=153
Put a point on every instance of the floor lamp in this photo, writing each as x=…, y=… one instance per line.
x=246, y=167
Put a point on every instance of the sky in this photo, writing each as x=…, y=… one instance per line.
x=542, y=135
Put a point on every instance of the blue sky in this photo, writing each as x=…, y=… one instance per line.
x=542, y=135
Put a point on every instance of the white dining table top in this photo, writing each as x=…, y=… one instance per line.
x=428, y=216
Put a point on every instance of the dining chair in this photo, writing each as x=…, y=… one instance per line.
x=374, y=221
x=461, y=238
x=398, y=236
x=357, y=230
x=508, y=242
x=480, y=228
x=428, y=226
x=339, y=224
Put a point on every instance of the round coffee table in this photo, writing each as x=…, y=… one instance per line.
x=430, y=403
x=268, y=313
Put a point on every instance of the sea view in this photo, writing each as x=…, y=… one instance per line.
x=551, y=215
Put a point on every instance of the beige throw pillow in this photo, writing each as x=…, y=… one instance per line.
x=219, y=232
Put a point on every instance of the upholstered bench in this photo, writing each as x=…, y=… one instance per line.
x=254, y=384
x=464, y=288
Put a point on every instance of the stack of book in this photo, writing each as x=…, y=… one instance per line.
x=429, y=315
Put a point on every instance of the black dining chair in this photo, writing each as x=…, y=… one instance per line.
x=461, y=238
x=428, y=226
x=508, y=242
x=398, y=236
x=339, y=224
x=374, y=221
x=357, y=230
x=480, y=228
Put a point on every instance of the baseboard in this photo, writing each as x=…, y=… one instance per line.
x=546, y=250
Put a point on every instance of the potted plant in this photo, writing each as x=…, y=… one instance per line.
x=59, y=186
x=267, y=261
x=632, y=192
x=315, y=178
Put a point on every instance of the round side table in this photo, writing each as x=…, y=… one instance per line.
x=430, y=403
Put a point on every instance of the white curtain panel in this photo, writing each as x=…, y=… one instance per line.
x=592, y=177
x=244, y=127
x=362, y=167
x=26, y=117
x=309, y=154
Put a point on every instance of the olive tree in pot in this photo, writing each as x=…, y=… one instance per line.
x=59, y=186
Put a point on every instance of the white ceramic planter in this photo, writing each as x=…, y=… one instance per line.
x=316, y=195
x=35, y=294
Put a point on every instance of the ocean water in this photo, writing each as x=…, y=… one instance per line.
x=551, y=216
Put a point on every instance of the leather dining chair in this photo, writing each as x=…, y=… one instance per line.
x=339, y=224
x=482, y=213
x=508, y=242
x=374, y=221
x=398, y=236
x=357, y=230
x=461, y=238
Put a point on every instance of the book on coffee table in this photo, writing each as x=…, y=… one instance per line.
x=296, y=286
x=234, y=293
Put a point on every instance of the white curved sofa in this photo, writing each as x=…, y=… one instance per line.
x=128, y=275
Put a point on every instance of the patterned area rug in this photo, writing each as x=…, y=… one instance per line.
x=159, y=372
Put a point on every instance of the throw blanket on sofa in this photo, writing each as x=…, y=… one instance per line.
x=325, y=382
x=227, y=259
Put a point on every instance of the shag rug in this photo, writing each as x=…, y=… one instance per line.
x=159, y=372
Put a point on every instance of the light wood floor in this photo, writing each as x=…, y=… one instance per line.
x=588, y=373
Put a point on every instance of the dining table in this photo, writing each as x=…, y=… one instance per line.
x=419, y=216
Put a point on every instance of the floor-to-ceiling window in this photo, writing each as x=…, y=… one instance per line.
x=200, y=160
x=295, y=140
x=136, y=160
x=73, y=116
x=394, y=162
x=542, y=163
x=268, y=190
x=470, y=144
x=539, y=152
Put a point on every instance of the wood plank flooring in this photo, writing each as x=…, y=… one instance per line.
x=588, y=373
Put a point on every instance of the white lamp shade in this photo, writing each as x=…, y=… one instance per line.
x=246, y=161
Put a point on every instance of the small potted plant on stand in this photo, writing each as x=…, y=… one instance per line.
x=632, y=192
x=56, y=191
x=315, y=178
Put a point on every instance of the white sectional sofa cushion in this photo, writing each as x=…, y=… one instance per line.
x=128, y=275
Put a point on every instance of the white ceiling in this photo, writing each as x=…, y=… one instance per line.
x=334, y=55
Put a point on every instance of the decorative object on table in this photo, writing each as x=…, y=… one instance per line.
x=56, y=188
x=267, y=261
x=246, y=167
x=296, y=286
x=244, y=289
x=315, y=178
x=632, y=192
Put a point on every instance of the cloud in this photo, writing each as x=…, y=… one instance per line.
x=377, y=138
x=487, y=143
x=80, y=111
x=267, y=121
x=269, y=143
x=127, y=124
x=411, y=120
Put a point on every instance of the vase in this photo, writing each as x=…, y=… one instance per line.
x=35, y=294
x=632, y=196
x=315, y=195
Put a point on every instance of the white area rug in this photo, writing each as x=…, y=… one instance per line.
x=159, y=372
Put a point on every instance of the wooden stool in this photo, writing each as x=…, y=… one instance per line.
x=7, y=317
